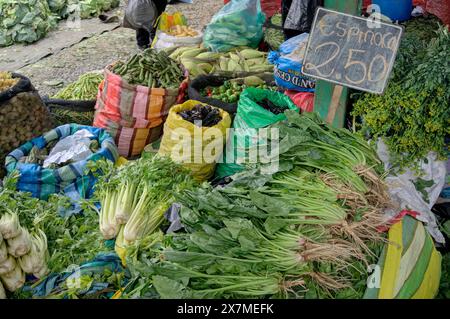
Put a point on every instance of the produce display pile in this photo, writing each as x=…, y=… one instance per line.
x=20, y=253
x=204, y=115
x=273, y=34
x=24, y=21
x=85, y=88
x=305, y=219
x=151, y=69
x=182, y=31
x=307, y=231
x=7, y=81
x=21, y=118
x=413, y=115
x=135, y=197
x=199, y=61
x=231, y=90
x=70, y=240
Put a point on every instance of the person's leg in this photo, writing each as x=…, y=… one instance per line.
x=143, y=38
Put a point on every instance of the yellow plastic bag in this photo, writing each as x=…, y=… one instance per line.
x=196, y=148
x=167, y=21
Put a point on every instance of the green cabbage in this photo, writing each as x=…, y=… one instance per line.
x=24, y=21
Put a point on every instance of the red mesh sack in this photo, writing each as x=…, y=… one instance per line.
x=303, y=100
x=269, y=7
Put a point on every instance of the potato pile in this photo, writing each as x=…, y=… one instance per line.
x=22, y=118
x=7, y=81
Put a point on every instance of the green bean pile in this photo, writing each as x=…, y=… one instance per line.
x=85, y=88
x=152, y=69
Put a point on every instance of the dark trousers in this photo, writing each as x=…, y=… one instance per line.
x=142, y=37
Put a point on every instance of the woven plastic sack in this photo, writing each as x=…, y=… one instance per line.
x=238, y=23
x=250, y=116
x=409, y=266
x=177, y=131
x=288, y=62
x=72, y=179
x=133, y=114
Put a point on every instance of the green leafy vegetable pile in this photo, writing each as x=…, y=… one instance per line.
x=71, y=240
x=24, y=21
x=413, y=115
x=135, y=197
x=308, y=231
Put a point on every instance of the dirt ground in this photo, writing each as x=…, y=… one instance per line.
x=102, y=49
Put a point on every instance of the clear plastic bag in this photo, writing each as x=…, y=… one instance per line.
x=238, y=23
x=73, y=148
x=165, y=40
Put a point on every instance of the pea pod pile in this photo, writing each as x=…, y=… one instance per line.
x=230, y=91
x=151, y=69
x=85, y=88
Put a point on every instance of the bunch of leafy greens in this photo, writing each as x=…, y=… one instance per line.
x=24, y=21
x=135, y=196
x=71, y=240
x=413, y=115
x=307, y=231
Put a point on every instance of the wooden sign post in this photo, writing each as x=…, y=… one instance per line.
x=350, y=51
x=325, y=90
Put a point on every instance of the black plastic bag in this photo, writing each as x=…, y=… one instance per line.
x=70, y=111
x=298, y=16
x=24, y=85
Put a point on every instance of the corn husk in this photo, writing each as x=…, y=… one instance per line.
x=2, y=291
x=8, y=265
x=20, y=245
x=9, y=225
x=3, y=251
x=35, y=260
x=14, y=279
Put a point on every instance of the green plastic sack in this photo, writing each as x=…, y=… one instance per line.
x=238, y=23
x=250, y=116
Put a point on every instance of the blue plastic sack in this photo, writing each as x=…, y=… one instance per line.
x=71, y=179
x=54, y=284
x=238, y=23
x=288, y=61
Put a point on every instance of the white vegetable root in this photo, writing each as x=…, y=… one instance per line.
x=20, y=245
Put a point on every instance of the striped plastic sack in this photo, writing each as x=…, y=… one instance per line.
x=409, y=266
x=72, y=179
x=133, y=114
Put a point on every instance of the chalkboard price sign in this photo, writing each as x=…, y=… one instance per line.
x=351, y=51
